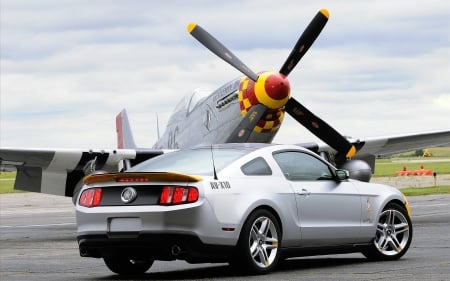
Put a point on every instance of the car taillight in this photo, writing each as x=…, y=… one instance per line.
x=91, y=197
x=125, y=179
x=173, y=195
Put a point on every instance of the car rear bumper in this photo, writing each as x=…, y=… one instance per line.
x=155, y=247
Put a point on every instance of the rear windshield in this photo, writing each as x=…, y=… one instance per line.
x=193, y=161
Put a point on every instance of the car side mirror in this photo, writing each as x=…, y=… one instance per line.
x=342, y=175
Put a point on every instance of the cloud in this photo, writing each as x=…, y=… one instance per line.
x=68, y=67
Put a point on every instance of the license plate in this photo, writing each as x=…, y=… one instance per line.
x=125, y=225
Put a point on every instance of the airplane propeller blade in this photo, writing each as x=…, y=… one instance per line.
x=305, y=117
x=247, y=124
x=305, y=41
x=320, y=128
x=220, y=50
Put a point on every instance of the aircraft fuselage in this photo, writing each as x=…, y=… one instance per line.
x=215, y=115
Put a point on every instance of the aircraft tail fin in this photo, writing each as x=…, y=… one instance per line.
x=124, y=135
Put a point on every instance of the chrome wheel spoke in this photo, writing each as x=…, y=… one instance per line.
x=382, y=243
x=254, y=250
x=401, y=227
x=396, y=246
x=264, y=228
x=271, y=243
x=380, y=227
x=264, y=257
x=254, y=233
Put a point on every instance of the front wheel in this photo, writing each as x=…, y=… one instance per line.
x=393, y=234
x=258, y=249
x=125, y=266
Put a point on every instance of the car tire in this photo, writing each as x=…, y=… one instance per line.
x=125, y=266
x=258, y=248
x=393, y=234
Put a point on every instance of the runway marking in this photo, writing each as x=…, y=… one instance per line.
x=430, y=205
x=431, y=215
x=37, y=225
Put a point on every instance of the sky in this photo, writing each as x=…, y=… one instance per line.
x=67, y=67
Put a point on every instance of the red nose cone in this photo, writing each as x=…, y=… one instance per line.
x=277, y=87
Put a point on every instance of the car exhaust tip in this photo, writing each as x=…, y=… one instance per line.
x=84, y=252
x=176, y=250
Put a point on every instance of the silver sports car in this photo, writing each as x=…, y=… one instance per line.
x=247, y=204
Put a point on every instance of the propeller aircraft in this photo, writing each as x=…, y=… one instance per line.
x=247, y=109
x=263, y=98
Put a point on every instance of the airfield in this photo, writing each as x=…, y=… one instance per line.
x=38, y=242
x=414, y=181
x=371, y=77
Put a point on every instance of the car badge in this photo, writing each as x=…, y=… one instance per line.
x=128, y=195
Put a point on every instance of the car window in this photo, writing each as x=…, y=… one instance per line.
x=299, y=166
x=257, y=167
x=191, y=161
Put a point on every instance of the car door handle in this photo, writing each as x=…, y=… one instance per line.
x=304, y=192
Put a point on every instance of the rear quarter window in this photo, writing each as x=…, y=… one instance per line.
x=256, y=167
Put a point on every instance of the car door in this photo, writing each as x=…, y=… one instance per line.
x=329, y=211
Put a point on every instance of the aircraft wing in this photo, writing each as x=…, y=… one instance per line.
x=58, y=171
x=380, y=146
x=370, y=148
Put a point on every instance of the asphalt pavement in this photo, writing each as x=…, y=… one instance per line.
x=38, y=242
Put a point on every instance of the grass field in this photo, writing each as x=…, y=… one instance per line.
x=417, y=191
x=435, y=152
x=7, y=182
x=439, y=162
x=388, y=167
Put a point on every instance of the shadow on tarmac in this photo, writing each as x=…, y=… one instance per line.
x=224, y=271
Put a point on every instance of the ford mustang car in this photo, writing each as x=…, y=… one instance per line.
x=250, y=205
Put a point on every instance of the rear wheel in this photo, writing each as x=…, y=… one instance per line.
x=258, y=249
x=393, y=235
x=125, y=266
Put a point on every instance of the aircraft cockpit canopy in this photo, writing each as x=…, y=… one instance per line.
x=190, y=101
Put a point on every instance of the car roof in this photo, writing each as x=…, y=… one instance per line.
x=252, y=147
x=240, y=146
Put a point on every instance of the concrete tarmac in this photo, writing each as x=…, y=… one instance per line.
x=38, y=242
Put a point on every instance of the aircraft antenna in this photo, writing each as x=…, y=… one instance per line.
x=214, y=166
x=157, y=125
